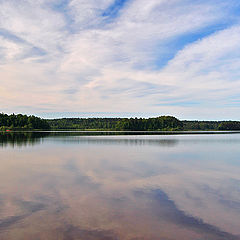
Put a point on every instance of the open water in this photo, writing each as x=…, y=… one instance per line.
x=79, y=186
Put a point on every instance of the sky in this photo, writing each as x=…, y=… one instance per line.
x=120, y=58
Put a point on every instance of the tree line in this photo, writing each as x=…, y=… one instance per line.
x=163, y=123
x=20, y=121
x=136, y=124
x=141, y=124
x=211, y=125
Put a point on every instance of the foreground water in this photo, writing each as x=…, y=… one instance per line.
x=69, y=186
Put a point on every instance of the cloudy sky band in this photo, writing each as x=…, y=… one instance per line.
x=120, y=57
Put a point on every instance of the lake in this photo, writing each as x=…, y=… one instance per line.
x=102, y=186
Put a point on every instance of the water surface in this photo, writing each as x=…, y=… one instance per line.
x=64, y=186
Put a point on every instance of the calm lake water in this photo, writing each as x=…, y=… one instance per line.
x=71, y=186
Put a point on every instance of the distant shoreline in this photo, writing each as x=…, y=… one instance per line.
x=119, y=133
x=22, y=122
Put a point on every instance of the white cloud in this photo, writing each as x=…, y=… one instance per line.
x=76, y=59
x=87, y=13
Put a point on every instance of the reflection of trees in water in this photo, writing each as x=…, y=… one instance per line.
x=141, y=142
x=110, y=133
x=21, y=139
x=118, y=141
x=96, y=137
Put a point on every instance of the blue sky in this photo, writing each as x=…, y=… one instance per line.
x=81, y=58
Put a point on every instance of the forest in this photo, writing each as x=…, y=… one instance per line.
x=211, y=125
x=161, y=123
x=142, y=124
x=20, y=121
x=132, y=124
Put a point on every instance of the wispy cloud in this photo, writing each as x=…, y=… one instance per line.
x=158, y=57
